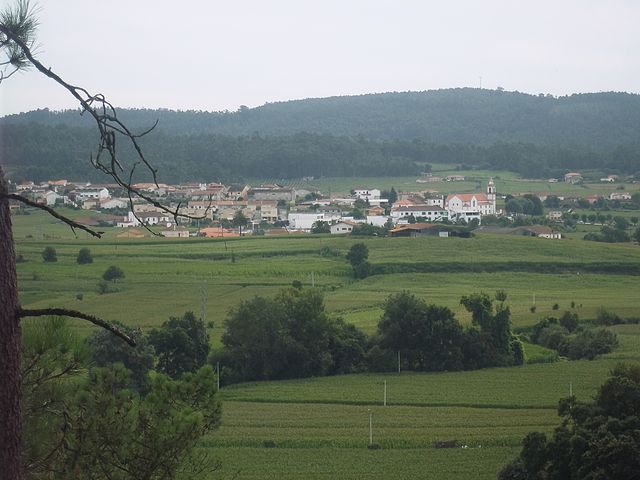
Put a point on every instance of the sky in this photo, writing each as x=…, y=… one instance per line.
x=214, y=55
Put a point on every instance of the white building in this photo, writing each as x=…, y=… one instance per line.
x=342, y=228
x=430, y=213
x=472, y=205
x=367, y=193
x=304, y=220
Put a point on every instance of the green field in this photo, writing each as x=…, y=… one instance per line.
x=319, y=427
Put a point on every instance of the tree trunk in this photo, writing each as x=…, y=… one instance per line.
x=10, y=377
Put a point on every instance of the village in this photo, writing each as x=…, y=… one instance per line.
x=218, y=210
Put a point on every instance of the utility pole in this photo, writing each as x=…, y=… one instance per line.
x=398, y=361
x=218, y=375
x=370, y=427
x=203, y=302
x=385, y=393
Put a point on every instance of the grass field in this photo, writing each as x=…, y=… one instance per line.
x=318, y=427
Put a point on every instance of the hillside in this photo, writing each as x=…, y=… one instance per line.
x=366, y=135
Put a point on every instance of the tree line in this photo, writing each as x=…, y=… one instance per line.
x=39, y=152
x=292, y=336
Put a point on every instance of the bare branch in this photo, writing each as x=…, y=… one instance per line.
x=52, y=212
x=76, y=314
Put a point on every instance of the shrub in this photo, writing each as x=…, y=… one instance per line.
x=374, y=446
x=84, y=256
x=112, y=274
x=49, y=254
x=269, y=444
x=79, y=296
x=569, y=321
x=606, y=317
x=103, y=287
x=555, y=306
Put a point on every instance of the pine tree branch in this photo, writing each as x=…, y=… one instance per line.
x=52, y=212
x=76, y=314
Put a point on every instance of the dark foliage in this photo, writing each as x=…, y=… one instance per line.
x=84, y=256
x=401, y=132
x=105, y=349
x=49, y=254
x=181, y=344
x=289, y=336
x=594, y=441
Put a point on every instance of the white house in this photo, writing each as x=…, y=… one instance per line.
x=367, y=193
x=377, y=220
x=100, y=194
x=304, y=220
x=114, y=203
x=431, y=214
x=342, y=228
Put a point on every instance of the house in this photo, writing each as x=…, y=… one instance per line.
x=454, y=178
x=273, y=192
x=218, y=232
x=304, y=220
x=367, y=194
x=609, y=179
x=619, y=196
x=113, y=203
x=415, y=230
x=146, y=218
x=432, y=214
x=378, y=220
x=98, y=194
x=342, y=228
x=573, y=177
x=237, y=192
x=554, y=215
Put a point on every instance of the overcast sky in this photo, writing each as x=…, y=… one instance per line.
x=214, y=55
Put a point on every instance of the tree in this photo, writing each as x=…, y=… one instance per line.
x=428, y=336
x=288, y=336
x=112, y=274
x=320, y=227
x=357, y=254
x=49, y=254
x=239, y=220
x=18, y=26
x=84, y=256
x=105, y=350
x=182, y=345
x=116, y=434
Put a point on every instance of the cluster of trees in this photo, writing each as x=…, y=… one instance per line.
x=565, y=335
x=527, y=204
x=291, y=336
x=614, y=232
x=358, y=256
x=39, y=152
x=101, y=409
x=599, y=440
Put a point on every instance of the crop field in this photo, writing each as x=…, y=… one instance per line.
x=318, y=428
x=209, y=276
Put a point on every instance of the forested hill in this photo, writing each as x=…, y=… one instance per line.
x=598, y=121
x=367, y=135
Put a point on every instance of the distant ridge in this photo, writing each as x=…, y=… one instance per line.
x=481, y=117
x=385, y=134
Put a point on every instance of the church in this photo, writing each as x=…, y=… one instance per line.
x=472, y=205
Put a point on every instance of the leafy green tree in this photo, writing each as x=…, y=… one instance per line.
x=289, y=336
x=428, y=336
x=113, y=274
x=49, y=254
x=357, y=254
x=106, y=349
x=84, y=256
x=181, y=344
x=239, y=221
x=636, y=235
x=320, y=227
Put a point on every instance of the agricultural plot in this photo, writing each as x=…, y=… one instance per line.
x=318, y=428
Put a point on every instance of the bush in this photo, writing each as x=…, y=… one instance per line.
x=606, y=317
x=374, y=446
x=112, y=274
x=103, y=287
x=84, y=256
x=569, y=321
x=49, y=254
x=269, y=444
